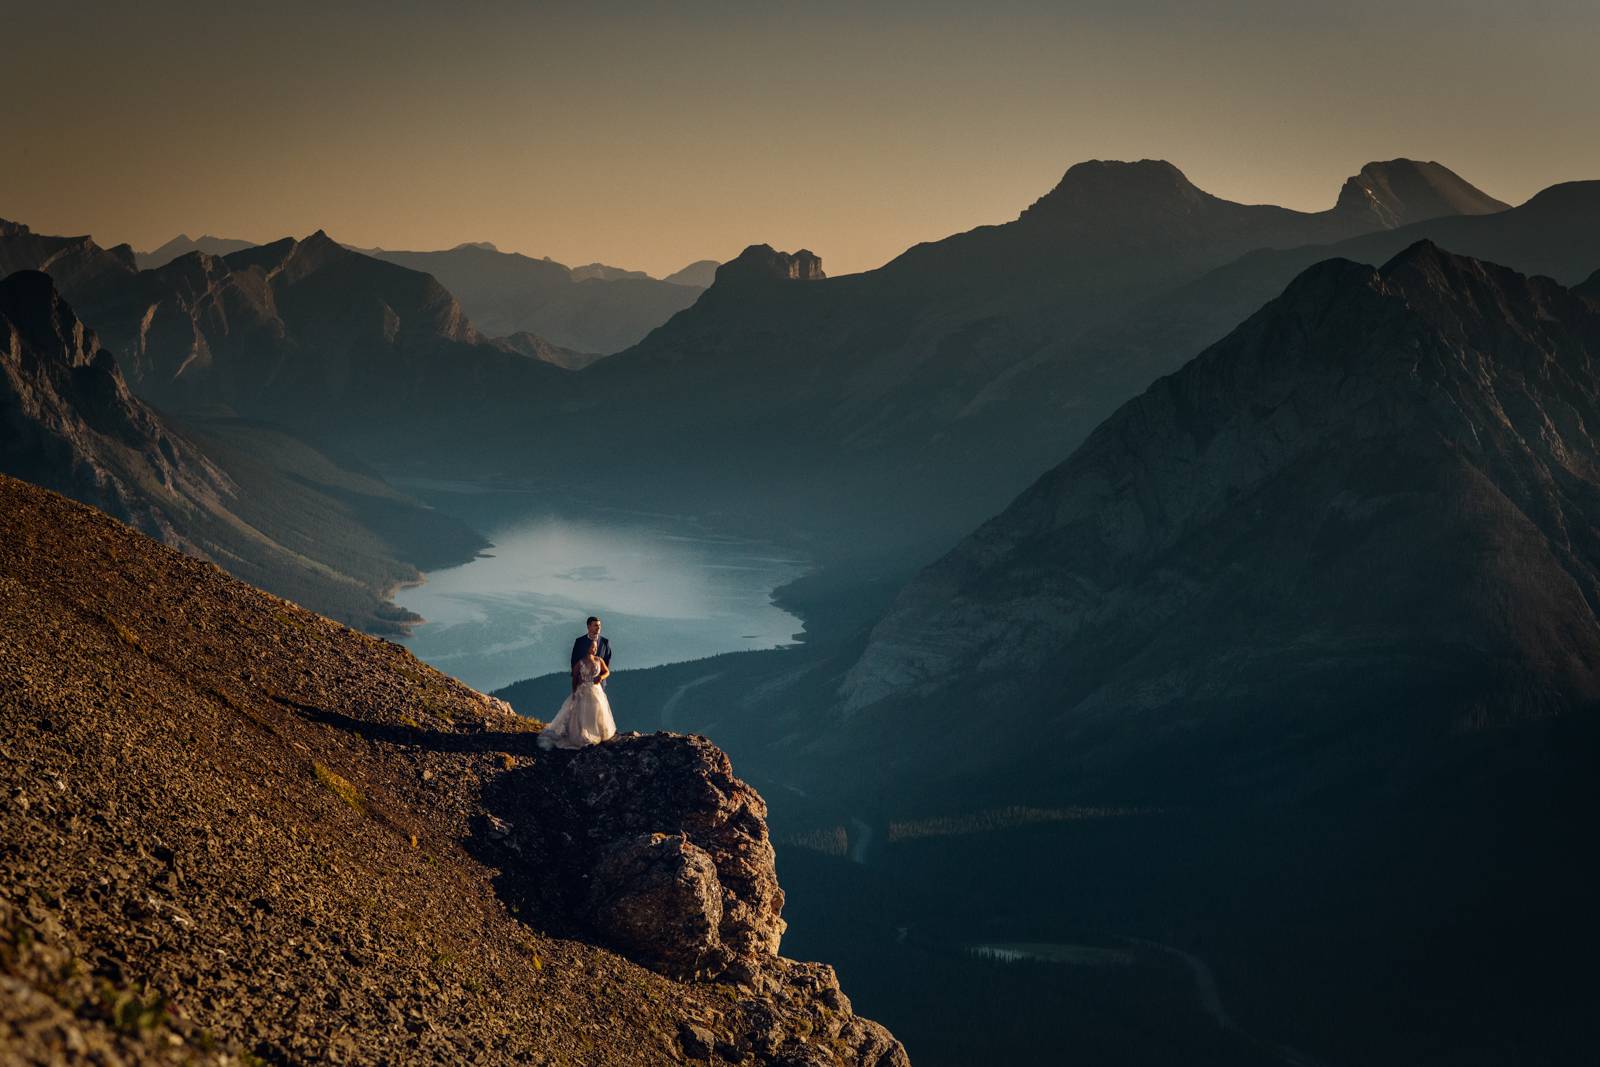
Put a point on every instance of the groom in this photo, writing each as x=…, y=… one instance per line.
x=580, y=649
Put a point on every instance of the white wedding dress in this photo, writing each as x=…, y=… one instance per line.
x=585, y=718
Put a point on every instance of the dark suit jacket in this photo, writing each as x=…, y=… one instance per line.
x=580, y=649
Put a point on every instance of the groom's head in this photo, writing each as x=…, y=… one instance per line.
x=594, y=627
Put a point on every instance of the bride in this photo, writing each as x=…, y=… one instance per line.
x=586, y=716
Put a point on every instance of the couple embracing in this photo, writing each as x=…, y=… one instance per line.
x=585, y=718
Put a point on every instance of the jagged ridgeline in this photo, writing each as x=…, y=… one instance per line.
x=231, y=828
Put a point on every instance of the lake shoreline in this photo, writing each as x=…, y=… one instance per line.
x=675, y=588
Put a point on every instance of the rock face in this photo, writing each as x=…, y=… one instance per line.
x=657, y=899
x=763, y=262
x=76, y=263
x=68, y=421
x=1366, y=516
x=232, y=829
x=655, y=833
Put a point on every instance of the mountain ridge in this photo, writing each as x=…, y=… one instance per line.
x=1429, y=358
x=935, y=386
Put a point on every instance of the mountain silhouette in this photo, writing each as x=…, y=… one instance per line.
x=940, y=384
x=184, y=244
x=595, y=308
x=699, y=274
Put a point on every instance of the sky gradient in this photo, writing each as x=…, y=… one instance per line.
x=650, y=135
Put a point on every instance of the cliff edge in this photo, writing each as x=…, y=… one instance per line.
x=230, y=828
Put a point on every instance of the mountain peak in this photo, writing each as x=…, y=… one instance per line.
x=765, y=263
x=33, y=306
x=1396, y=192
x=1096, y=184
x=1589, y=290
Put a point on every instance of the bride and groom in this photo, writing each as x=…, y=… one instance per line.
x=585, y=718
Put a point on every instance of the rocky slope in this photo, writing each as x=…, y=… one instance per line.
x=535, y=347
x=234, y=829
x=271, y=509
x=1355, y=538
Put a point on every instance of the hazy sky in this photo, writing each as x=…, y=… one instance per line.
x=650, y=134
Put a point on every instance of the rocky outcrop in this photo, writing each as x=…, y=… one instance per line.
x=760, y=263
x=231, y=829
x=654, y=832
x=650, y=845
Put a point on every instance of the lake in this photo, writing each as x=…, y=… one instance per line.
x=667, y=589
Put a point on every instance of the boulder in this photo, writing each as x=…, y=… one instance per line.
x=656, y=845
x=656, y=898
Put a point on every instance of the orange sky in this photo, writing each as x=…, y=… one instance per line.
x=650, y=135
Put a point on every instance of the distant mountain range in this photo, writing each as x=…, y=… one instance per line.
x=594, y=308
x=183, y=244
x=269, y=508
x=304, y=333
x=699, y=274
x=891, y=411
x=930, y=390
x=503, y=295
x=536, y=347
